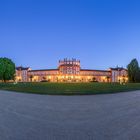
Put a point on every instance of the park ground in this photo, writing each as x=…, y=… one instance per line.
x=70, y=88
x=39, y=117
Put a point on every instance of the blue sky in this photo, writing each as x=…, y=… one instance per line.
x=101, y=33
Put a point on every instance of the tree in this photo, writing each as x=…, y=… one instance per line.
x=7, y=69
x=133, y=69
x=138, y=77
x=31, y=78
x=108, y=78
x=94, y=79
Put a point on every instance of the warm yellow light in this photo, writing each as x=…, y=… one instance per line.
x=35, y=77
x=59, y=77
x=103, y=77
x=89, y=77
x=49, y=77
x=18, y=77
x=126, y=78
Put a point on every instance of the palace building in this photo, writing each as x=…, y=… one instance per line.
x=71, y=71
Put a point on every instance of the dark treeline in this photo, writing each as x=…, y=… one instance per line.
x=7, y=69
x=134, y=71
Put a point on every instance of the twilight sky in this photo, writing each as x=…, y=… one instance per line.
x=101, y=33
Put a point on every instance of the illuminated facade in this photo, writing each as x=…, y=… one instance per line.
x=70, y=71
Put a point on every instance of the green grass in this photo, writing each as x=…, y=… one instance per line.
x=70, y=88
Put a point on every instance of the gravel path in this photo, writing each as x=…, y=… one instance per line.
x=44, y=117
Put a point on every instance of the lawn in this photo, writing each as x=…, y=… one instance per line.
x=69, y=88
